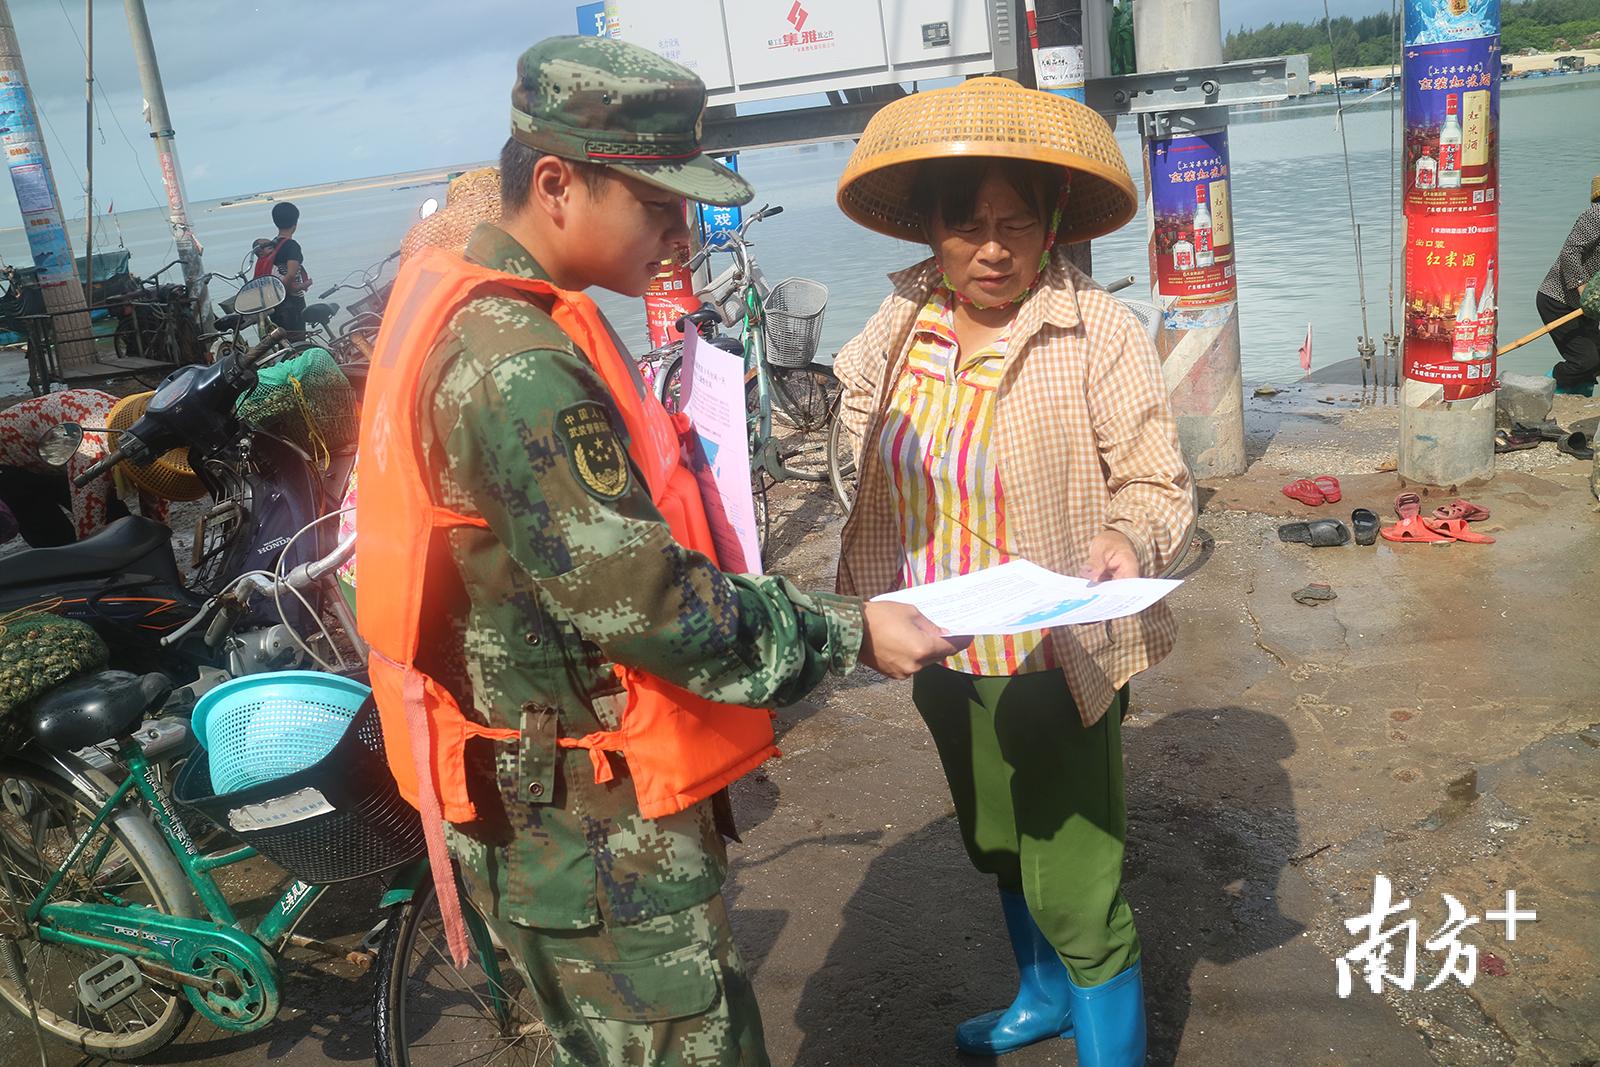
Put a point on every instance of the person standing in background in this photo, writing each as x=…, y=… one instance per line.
x=1579, y=340
x=282, y=256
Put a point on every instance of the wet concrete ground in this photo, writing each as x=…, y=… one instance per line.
x=1438, y=723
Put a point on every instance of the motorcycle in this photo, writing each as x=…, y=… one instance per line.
x=125, y=580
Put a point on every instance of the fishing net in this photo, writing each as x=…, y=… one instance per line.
x=39, y=651
x=305, y=399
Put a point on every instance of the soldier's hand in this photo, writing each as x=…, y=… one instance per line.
x=900, y=640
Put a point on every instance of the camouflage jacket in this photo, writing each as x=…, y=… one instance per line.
x=574, y=573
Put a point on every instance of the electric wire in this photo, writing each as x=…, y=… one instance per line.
x=1349, y=186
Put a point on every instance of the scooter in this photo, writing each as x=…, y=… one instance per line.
x=125, y=581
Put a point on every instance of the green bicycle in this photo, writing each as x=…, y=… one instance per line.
x=114, y=930
x=779, y=330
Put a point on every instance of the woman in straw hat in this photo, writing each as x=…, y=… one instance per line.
x=1004, y=406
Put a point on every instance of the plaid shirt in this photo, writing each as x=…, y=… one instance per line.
x=1084, y=441
x=1578, y=260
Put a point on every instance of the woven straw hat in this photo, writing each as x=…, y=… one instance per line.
x=987, y=117
x=168, y=476
x=472, y=198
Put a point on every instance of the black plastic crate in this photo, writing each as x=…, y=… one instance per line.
x=339, y=819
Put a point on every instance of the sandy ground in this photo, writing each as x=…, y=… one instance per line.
x=1437, y=723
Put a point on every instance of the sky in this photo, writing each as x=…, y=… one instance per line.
x=298, y=92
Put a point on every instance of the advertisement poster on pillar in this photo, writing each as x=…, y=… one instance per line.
x=1452, y=293
x=1443, y=21
x=1452, y=112
x=1191, y=243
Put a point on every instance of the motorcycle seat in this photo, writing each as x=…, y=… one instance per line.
x=320, y=314
x=95, y=709
x=114, y=548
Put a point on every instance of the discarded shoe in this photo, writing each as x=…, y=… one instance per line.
x=1318, y=533
x=1461, y=509
x=1329, y=486
x=1314, y=594
x=1547, y=430
x=1513, y=441
x=1365, y=523
x=1412, y=530
x=1577, y=445
x=1305, y=491
x=1458, y=530
x=1407, y=506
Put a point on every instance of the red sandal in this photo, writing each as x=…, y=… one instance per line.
x=1305, y=491
x=1413, y=531
x=1461, y=509
x=1329, y=485
x=1458, y=530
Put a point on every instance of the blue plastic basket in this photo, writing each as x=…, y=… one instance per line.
x=265, y=726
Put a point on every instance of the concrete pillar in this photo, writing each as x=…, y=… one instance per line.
x=1199, y=339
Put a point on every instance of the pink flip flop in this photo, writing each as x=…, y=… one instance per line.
x=1329, y=486
x=1461, y=509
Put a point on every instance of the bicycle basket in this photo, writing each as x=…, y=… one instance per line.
x=264, y=726
x=306, y=399
x=342, y=817
x=793, y=311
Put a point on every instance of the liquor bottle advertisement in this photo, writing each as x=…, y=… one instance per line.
x=1191, y=240
x=1452, y=109
x=1441, y=21
x=1451, y=306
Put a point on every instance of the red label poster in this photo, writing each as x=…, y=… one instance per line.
x=1451, y=304
x=669, y=298
x=1191, y=250
x=1452, y=124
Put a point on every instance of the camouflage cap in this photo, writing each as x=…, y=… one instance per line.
x=610, y=102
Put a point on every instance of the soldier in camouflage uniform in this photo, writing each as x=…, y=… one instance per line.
x=616, y=920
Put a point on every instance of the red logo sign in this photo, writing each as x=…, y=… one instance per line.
x=797, y=16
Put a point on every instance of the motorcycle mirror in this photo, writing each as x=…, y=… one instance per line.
x=260, y=294
x=429, y=206
x=60, y=443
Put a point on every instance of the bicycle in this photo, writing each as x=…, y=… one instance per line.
x=779, y=328
x=156, y=323
x=113, y=929
x=359, y=334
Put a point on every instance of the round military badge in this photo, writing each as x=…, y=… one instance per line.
x=598, y=458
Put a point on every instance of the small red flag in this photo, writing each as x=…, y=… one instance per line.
x=1305, y=350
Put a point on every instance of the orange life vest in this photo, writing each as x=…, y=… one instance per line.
x=680, y=748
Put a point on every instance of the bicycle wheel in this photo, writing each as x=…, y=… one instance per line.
x=41, y=819
x=669, y=379
x=841, y=465
x=429, y=1013
x=806, y=397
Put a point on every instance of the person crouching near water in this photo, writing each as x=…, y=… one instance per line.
x=1003, y=406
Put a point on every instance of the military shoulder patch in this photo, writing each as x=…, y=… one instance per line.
x=594, y=449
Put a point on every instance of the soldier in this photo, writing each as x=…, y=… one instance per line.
x=573, y=644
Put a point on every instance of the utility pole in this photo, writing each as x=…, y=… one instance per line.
x=88, y=150
x=42, y=218
x=155, y=103
x=1451, y=179
x=1192, y=253
x=1055, y=32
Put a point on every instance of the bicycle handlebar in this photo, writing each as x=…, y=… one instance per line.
x=221, y=612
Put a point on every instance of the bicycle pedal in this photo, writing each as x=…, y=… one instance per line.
x=109, y=983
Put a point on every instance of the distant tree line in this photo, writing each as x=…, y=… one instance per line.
x=1374, y=40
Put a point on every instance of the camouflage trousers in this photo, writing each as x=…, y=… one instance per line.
x=670, y=991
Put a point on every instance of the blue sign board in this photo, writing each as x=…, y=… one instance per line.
x=592, y=20
x=716, y=221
